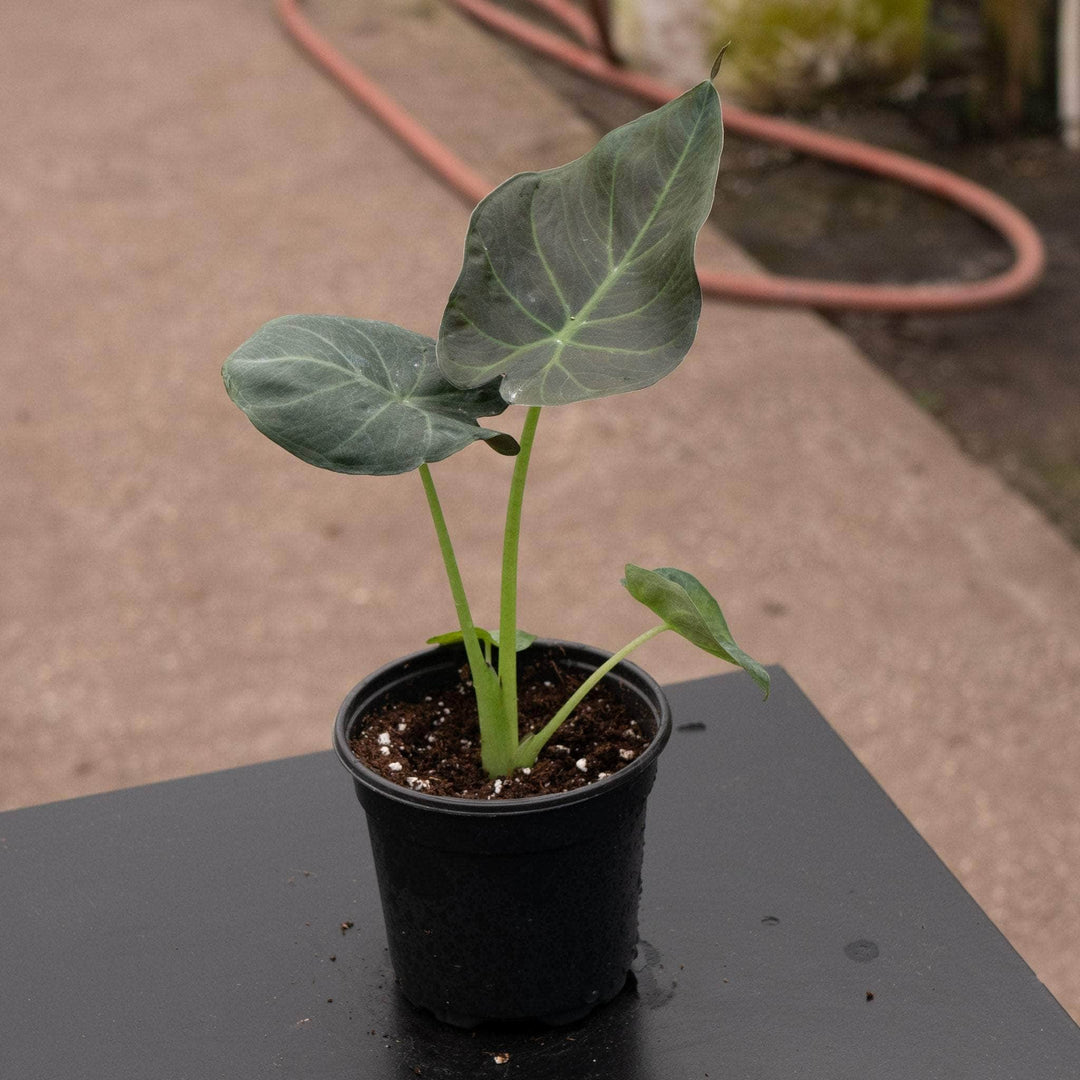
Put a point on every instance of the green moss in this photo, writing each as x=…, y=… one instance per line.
x=792, y=50
x=1062, y=476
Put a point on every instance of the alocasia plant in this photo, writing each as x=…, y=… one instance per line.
x=577, y=283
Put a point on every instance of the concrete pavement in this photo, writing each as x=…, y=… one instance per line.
x=177, y=594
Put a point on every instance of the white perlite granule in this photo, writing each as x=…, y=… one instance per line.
x=582, y=764
x=384, y=738
x=395, y=766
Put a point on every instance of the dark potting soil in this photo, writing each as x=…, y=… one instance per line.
x=433, y=745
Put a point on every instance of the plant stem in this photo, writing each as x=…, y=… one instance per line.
x=527, y=751
x=508, y=588
x=497, y=751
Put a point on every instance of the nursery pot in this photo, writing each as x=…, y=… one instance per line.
x=510, y=909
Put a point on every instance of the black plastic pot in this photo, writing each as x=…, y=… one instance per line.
x=508, y=909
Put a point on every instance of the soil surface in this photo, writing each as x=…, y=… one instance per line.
x=432, y=745
x=1005, y=381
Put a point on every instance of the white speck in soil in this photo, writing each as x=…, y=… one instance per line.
x=395, y=766
x=582, y=764
x=384, y=738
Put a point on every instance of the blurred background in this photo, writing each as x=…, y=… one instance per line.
x=989, y=88
x=888, y=505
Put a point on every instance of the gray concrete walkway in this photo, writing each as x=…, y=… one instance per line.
x=177, y=594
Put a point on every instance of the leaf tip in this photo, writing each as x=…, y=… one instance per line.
x=717, y=62
x=503, y=444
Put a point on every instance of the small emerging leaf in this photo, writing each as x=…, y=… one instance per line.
x=690, y=609
x=579, y=282
x=356, y=396
x=489, y=637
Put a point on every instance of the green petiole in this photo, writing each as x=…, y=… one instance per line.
x=529, y=748
x=497, y=743
x=508, y=588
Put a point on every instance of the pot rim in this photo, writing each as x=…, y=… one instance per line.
x=531, y=804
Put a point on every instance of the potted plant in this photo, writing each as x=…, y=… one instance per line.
x=509, y=850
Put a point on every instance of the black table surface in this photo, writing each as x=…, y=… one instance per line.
x=794, y=927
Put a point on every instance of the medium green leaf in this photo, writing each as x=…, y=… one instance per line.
x=690, y=609
x=490, y=637
x=356, y=396
x=579, y=282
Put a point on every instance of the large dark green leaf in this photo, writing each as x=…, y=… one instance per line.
x=690, y=609
x=579, y=282
x=356, y=396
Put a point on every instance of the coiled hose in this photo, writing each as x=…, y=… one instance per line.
x=1029, y=256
